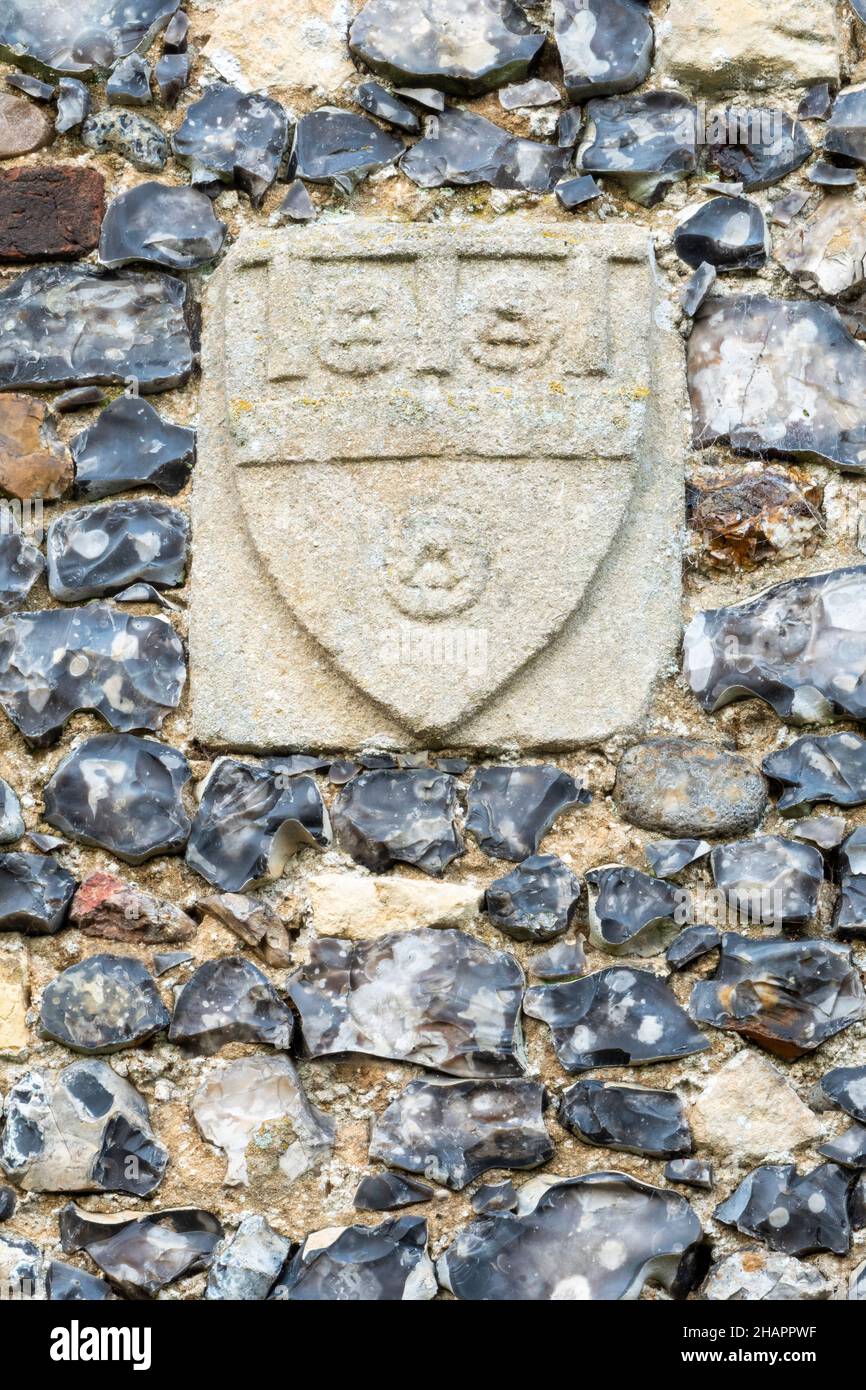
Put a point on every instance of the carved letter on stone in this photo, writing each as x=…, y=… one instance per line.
x=439, y=489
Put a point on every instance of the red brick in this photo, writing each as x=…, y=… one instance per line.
x=50, y=212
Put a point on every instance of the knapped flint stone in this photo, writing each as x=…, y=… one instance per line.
x=11, y=822
x=787, y=996
x=794, y=1214
x=687, y=787
x=386, y=1263
x=436, y=997
x=23, y=127
x=510, y=809
x=22, y=1270
x=534, y=92
x=816, y=768
x=134, y=137
x=606, y=46
x=46, y=844
x=246, y=1264
x=141, y=1254
x=83, y=1129
x=175, y=37
x=827, y=175
x=130, y=445
x=79, y=398
x=65, y=1283
x=630, y=913
x=383, y=817
x=449, y=44
x=94, y=550
x=35, y=893
x=691, y=945
x=826, y=251
x=669, y=857
x=54, y=662
x=569, y=126
x=30, y=86
x=847, y=1149
x=728, y=233
x=614, y=1017
x=453, y=1131
x=800, y=646
x=770, y=880
x=778, y=377
x=250, y=821
x=428, y=98
x=760, y=150
x=785, y=210
x=340, y=147
x=647, y=142
x=691, y=1172
x=77, y=326
x=121, y=793
x=88, y=37
x=262, y=1095
x=850, y=915
x=846, y=1088
x=389, y=1192
x=857, y=1285
x=697, y=287
x=229, y=1000
x=816, y=104
x=21, y=564
x=380, y=102
x=9, y=1201
x=172, y=76
x=233, y=137
x=536, y=902
x=254, y=922
x=827, y=832
x=598, y=1237
x=530, y=166
x=495, y=1197
x=759, y=1276
x=129, y=83
x=107, y=906
x=173, y=228
x=573, y=193
x=563, y=961
x=846, y=129
x=73, y=104
x=50, y=212
x=463, y=148
x=297, y=206
x=165, y=961
x=101, y=1005
x=635, y=1119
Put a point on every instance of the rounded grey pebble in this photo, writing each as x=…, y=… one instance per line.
x=686, y=787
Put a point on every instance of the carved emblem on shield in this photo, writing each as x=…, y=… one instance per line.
x=439, y=487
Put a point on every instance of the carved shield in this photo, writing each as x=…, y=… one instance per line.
x=437, y=439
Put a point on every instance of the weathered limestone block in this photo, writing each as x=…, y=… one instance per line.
x=749, y=1111
x=363, y=906
x=14, y=988
x=459, y=455
x=725, y=45
x=282, y=45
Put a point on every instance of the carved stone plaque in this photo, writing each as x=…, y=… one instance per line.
x=438, y=496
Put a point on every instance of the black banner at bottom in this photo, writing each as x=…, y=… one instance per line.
x=650, y=1335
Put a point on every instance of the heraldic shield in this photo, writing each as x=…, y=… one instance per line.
x=439, y=487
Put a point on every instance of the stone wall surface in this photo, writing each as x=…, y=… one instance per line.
x=431, y=750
